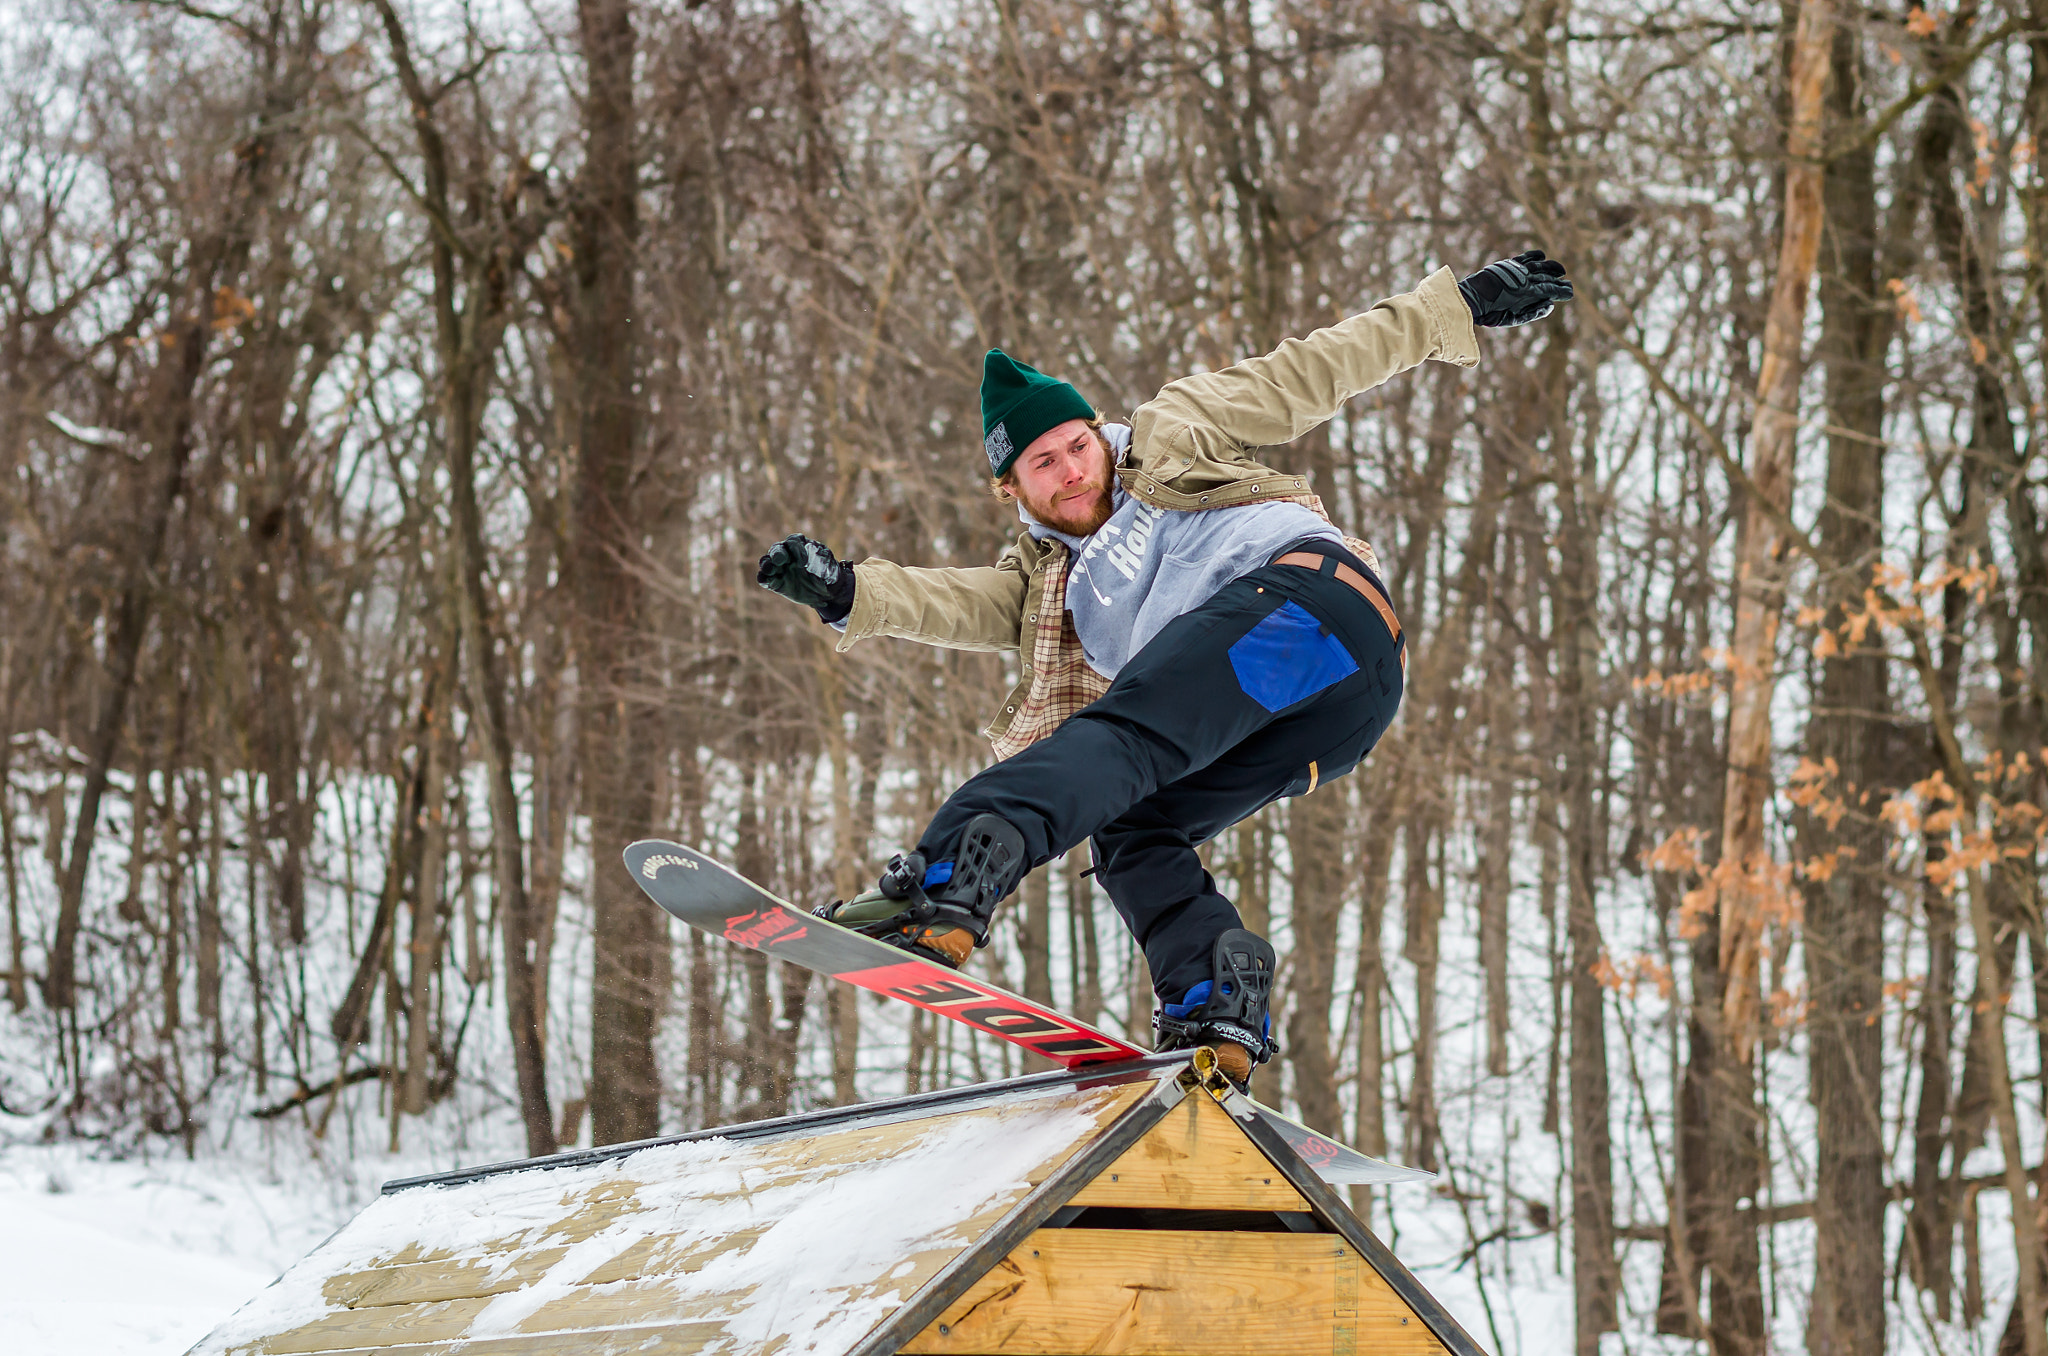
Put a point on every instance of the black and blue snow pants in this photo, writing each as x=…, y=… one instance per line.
x=1286, y=678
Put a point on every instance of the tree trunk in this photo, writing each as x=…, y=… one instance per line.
x=1315, y=836
x=1034, y=939
x=1592, y=1172
x=631, y=964
x=705, y=1068
x=1841, y=840
x=1930, y=1239
x=1253, y=874
x=1084, y=945
x=554, y=790
x=486, y=694
x=253, y=944
x=423, y=950
x=796, y=996
x=171, y=961
x=1746, y=874
x=17, y=964
x=1496, y=847
x=1423, y=916
x=207, y=941
x=1681, y=1298
x=1575, y=644
x=1369, y=979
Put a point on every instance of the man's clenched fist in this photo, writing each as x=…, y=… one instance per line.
x=1516, y=291
x=805, y=571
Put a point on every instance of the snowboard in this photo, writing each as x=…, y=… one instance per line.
x=716, y=899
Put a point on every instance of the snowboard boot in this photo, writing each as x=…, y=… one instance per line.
x=941, y=910
x=1227, y=1012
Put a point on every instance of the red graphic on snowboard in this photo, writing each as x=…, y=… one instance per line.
x=1000, y=1014
x=762, y=929
x=1317, y=1151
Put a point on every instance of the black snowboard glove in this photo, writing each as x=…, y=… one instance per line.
x=805, y=571
x=1516, y=291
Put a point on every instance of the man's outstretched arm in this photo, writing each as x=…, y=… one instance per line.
x=1274, y=399
x=963, y=609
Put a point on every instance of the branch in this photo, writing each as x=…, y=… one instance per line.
x=436, y=218
x=1786, y=1213
x=306, y=1094
x=100, y=439
x=1796, y=538
x=1914, y=96
x=192, y=11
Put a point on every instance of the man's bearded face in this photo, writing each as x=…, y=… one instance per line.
x=1063, y=478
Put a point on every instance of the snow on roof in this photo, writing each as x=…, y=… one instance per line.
x=798, y=1242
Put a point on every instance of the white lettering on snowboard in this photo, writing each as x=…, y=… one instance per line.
x=652, y=866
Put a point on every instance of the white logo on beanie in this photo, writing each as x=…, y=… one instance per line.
x=997, y=445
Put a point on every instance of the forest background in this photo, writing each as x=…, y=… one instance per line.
x=395, y=396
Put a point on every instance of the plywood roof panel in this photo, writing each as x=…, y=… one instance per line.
x=797, y=1244
x=1162, y=1293
x=1194, y=1159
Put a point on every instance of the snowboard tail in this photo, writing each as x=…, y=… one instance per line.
x=716, y=899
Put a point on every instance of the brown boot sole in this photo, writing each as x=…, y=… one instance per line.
x=1234, y=1062
x=953, y=945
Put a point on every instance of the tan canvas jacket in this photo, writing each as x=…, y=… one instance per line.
x=1191, y=449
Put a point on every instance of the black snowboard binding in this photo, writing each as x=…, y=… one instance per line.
x=942, y=911
x=1231, y=1008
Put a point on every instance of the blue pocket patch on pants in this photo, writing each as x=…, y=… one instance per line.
x=1288, y=657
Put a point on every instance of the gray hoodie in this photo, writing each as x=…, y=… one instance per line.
x=1148, y=565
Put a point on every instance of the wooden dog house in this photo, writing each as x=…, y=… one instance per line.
x=1140, y=1209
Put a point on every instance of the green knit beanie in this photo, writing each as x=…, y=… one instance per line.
x=1018, y=403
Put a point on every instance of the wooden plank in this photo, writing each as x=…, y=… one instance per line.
x=474, y=1277
x=1195, y=1159
x=426, y=1282
x=653, y=1304
x=585, y=1209
x=1131, y=1292
x=389, y=1325
x=659, y=1256
x=582, y=1308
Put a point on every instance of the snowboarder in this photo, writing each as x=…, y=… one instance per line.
x=1197, y=641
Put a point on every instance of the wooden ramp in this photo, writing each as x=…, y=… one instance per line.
x=1141, y=1209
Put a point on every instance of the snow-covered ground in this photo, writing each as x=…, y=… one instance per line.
x=139, y=1258
x=140, y=1251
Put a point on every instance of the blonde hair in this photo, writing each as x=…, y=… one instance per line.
x=999, y=486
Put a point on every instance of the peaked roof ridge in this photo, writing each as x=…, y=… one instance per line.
x=1195, y=1075
x=1156, y=1066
